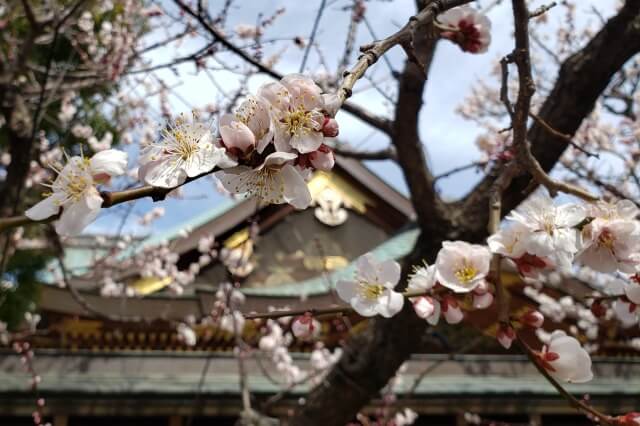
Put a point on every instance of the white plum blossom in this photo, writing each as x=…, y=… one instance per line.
x=565, y=359
x=185, y=150
x=74, y=190
x=510, y=243
x=468, y=28
x=423, y=278
x=67, y=108
x=551, y=230
x=461, y=266
x=297, y=111
x=232, y=322
x=275, y=181
x=611, y=241
x=371, y=293
x=632, y=290
x=247, y=31
x=405, y=417
x=186, y=334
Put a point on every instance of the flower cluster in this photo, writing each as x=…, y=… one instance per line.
x=268, y=148
x=277, y=138
x=542, y=236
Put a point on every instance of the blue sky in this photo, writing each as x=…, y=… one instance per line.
x=449, y=139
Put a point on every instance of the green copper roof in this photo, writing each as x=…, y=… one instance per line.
x=394, y=248
x=227, y=384
x=78, y=260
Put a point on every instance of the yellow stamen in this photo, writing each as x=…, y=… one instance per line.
x=466, y=273
x=370, y=291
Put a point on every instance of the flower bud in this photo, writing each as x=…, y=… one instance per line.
x=424, y=307
x=236, y=136
x=533, y=319
x=304, y=327
x=451, y=310
x=482, y=301
x=330, y=128
x=598, y=309
x=506, y=335
x=323, y=158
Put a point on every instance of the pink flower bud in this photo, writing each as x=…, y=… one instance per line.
x=629, y=419
x=236, y=136
x=451, y=310
x=322, y=159
x=482, y=301
x=533, y=319
x=506, y=335
x=330, y=128
x=304, y=326
x=424, y=307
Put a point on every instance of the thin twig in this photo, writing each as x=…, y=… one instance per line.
x=312, y=37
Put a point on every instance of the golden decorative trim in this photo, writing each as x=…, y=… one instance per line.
x=349, y=195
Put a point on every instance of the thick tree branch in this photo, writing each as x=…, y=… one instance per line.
x=582, y=78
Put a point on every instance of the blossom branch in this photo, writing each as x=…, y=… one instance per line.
x=575, y=402
x=522, y=59
x=372, y=52
x=370, y=55
x=319, y=311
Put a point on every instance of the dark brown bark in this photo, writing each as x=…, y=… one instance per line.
x=581, y=80
x=19, y=136
x=372, y=357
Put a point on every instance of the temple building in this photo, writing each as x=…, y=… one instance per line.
x=100, y=367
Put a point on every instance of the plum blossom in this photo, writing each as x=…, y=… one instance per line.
x=185, y=150
x=611, y=241
x=248, y=127
x=74, y=190
x=67, y=108
x=550, y=230
x=565, y=359
x=461, y=266
x=305, y=327
x=405, y=417
x=275, y=181
x=371, y=293
x=186, y=334
x=423, y=278
x=468, y=28
x=510, y=243
x=297, y=112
